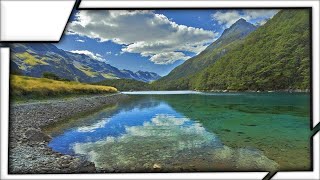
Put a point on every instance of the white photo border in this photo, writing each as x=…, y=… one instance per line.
x=133, y=4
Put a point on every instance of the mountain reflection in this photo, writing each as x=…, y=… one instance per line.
x=144, y=133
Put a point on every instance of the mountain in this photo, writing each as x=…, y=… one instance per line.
x=33, y=59
x=277, y=56
x=238, y=30
x=179, y=77
x=141, y=75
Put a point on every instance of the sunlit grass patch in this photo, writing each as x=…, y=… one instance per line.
x=109, y=76
x=30, y=59
x=23, y=86
x=85, y=69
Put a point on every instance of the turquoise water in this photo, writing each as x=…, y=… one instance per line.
x=190, y=131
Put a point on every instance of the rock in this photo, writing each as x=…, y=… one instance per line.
x=87, y=167
x=46, y=169
x=36, y=135
x=110, y=169
x=157, y=166
x=65, y=165
x=224, y=153
x=66, y=157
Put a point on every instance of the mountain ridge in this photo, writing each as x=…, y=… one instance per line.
x=179, y=76
x=33, y=59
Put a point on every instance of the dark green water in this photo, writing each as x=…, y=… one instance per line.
x=187, y=131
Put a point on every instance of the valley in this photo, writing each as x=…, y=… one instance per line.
x=272, y=57
x=240, y=101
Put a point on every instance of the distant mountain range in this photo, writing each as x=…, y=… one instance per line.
x=274, y=56
x=34, y=59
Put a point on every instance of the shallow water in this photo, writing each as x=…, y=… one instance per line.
x=191, y=131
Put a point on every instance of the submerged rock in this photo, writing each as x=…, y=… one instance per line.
x=224, y=153
x=254, y=160
x=156, y=166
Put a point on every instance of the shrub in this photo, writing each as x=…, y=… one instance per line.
x=50, y=75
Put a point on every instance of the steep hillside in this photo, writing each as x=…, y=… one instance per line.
x=34, y=59
x=179, y=77
x=274, y=57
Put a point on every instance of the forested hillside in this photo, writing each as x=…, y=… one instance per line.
x=180, y=76
x=126, y=84
x=274, y=57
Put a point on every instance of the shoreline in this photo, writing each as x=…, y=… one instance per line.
x=226, y=91
x=28, y=144
x=258, y=91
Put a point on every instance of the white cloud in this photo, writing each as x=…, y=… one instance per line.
x=80, y=40
x=108, y=53
x=258, y=13
x=93, y=127
x=262, y=22
x=168, y=57
x=90, y=54
x=143, y=32
x=227, y=18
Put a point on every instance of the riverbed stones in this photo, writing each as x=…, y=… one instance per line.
x=28, y=150
x=254, y=160
x=224, y=153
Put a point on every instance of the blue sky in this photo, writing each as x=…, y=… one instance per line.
x=155, y=41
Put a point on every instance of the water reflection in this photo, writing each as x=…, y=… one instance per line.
x=154, y=142
x=146, y=135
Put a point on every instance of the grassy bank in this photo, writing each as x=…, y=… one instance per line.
x=23, y=87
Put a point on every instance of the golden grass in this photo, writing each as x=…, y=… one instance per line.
x=87, y=70
x=109, y=76
x=89, y=73
x=31, y=60
x=42, y=87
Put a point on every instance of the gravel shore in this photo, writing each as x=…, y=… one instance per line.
x=28, y=150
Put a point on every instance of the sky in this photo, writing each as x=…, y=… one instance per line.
x=151, y=40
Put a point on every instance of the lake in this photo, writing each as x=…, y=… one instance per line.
x=179, y=131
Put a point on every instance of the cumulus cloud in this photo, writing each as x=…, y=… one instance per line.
x=227, y=18
x=92, y=55
x=145, y=32
x=168, y=57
